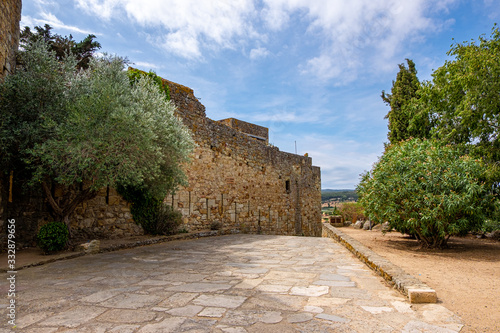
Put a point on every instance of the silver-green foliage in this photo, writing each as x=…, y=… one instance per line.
x=427, y=189
x=100, y=130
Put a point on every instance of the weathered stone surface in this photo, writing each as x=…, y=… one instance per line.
x=313, y=291
x=187, y=311
x=10, y=15
x=420, y=295
x=131, y=301
x=126, y=316
x=377, y=309
x=402, y=307
x=332, y=318
x=386, y=226
x=271, y=317
x=390, y=272
x=73, y=317
x=367, y=225
x=212, y=312
x=494, y=235
x=335, y=283
x=273, y=288
x=91, y=247
x=200, y=287
x=77, y=295
x=166, y=325
x=359, y=224
x=300, y=317
x=222, y=301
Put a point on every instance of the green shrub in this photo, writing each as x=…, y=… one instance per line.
x=144, y=205
x=427, y=189
x=53, y=236
x=148, y=210
x=168, y=220
x=351, y=211
x=216, y=225
x=490, y=226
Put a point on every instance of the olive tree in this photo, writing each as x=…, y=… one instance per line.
x=427, y=189
x=82, y=130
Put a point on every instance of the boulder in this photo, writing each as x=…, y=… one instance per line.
x=386, y=227
x=367, y=225
x=495, y=234
x=359, y=225
x=91, y=247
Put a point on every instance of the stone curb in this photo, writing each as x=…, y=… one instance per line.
x=408, y=285
x=130, y=245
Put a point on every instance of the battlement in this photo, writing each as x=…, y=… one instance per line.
x=254, y=131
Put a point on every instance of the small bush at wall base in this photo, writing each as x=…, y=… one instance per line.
x=53, y=237
x=148, y=210
x=216, y=225
x=167, y=221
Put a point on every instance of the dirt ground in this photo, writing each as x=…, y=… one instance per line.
x=466, y=276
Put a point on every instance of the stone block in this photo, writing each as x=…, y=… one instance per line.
x=367, y=225
x=422, y=295
x=359, y=225
x=91, y=247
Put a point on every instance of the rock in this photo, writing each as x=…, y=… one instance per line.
x=386, y=227
x=495, y=234
x=367, y=225
x=359, y=225
x=91, y=247
x=377, y=227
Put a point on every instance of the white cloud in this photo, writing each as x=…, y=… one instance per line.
x=260, y=52
x=146, y=65
x=103, y=8
x=53, y=21
x=357, y=32
x=185, y=25
x=356, y=35
x=341, y=160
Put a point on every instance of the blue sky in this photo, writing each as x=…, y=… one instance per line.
x=310, y=70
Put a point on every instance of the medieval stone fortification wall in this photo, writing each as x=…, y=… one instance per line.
x=235, y=182
x=243, y=183
x=10, y=15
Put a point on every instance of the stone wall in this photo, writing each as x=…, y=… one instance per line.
x=252, y=130
x=235, y=182
x=106, y=216
x=241, y=183
x=10, y=15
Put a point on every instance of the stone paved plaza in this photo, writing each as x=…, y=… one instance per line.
x=235, y=283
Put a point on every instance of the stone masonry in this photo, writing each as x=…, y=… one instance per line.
x=236, y=180
x=235, y=183
x=10, y=15
x=243, y=183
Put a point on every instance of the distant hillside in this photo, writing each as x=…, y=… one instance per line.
x=338, y=195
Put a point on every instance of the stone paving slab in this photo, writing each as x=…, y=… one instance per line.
x=233, y=283
x=416, y=290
